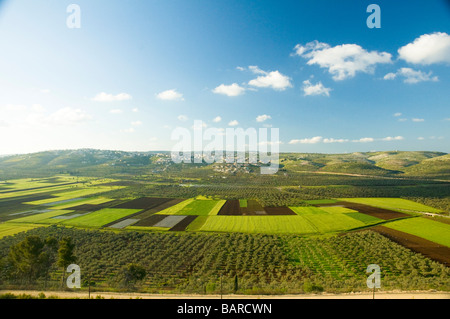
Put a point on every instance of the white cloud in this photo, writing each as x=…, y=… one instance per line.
x=229, y=90
x=402, y=120
x=240, y=68
x=262, y=118
x=396, y=138
x=37, y=108
x=313, y=140
x=170, y=95
x=217, y=119
x=68, y=116
x=233, y=123
x=342, y=61
x=274, y=80
x=421, y=138
x=390, y=76
x=397, y=114
x=427, y=49
x=412, y=76
x=317, y=89
x=116, y=111
x=136, y=123
x=418, y=120
x=135, y=110
x=333, y=140
x=105, y=97
x=182, y=118
x=364, y=140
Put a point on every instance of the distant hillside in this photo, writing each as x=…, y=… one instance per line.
x=433, y=164
x=104, y=162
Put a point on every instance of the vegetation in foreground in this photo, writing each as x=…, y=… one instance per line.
x=198, y=263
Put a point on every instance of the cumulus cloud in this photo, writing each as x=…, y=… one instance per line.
x=427, y=49
x=105, y=97
x=342, y=61
x=418, y=120
x=397, y=114
x=274, y=80
x=229, y=90
x=217, y=119
x=335, y=140
x=262, y=118
x=412, y=76
x=313, y=140
x=68, y=116
x=364, y=140
x=390, y=138
x=170, y=95
x=315, y=89
x=233, y=123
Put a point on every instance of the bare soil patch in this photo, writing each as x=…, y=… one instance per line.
x=420, y=245
x=143, y=203
x=156, y=209
x=150, y=221
x=279, y=211
x=181, y=226
x=231, y=207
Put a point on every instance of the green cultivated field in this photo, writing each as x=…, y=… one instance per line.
x=428, y=229
x=254, y=224
x=100, y=217
x=42, y=218
x=10, y=229
x=196, y=207
x=393, y=203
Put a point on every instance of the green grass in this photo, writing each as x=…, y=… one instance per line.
x=393, y=203
x=78, y=192
x=90, y=201
x=366, y=219
x=215, y=210
x=40, y=218
x=428, y=229
x=337, y=210
x=243, y=203
x=172, y=210
x=254, y=224
x=307, y=210
x=99, y=218
x=325, y=223
x=320, y=201
x=200, y=207
x=10, y=229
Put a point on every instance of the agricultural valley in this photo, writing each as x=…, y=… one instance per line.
x=312, y=227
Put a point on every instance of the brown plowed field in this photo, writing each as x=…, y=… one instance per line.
x=279, y=211
x=181, y=226
x=158, y=208
x=231, y=207
x=253, y=208
x=151, y=220
x=425, y=247
x=143, y=203
x=377, y=212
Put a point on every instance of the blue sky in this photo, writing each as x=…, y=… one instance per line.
x=136, y=70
